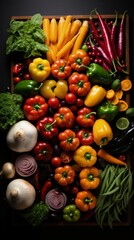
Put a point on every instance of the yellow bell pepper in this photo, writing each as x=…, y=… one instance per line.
x=85, y=156
x=39, y=69
x=52, y=88
x=95, y=96
x=102, y=132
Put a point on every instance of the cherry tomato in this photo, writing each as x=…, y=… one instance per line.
x=122, y=157
x=79, y=102
x=16, y=79
x=70, y=98
x=54, y=102
x=74, y=190
x=27, y=76
x=56, y=161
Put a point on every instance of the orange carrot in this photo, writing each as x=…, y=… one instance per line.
x=61, y=37
x=76, y=24
x=67, y=48
x=46, y=29
x=53, y=31
x=83, y=31
x=110, y=158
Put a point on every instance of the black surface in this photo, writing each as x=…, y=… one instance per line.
x=58, y=7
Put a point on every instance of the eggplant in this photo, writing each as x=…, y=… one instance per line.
x=122, y=148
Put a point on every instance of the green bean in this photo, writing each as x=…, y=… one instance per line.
x=111, y=192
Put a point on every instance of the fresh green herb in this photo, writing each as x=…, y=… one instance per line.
x=26, y=37
x=10, y=109
x=36, y=214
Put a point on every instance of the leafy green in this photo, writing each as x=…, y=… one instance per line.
x=36, y=214
x=10, y=109
x=26, y=37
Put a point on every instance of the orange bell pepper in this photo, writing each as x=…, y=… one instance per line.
x=85, y=200
x=64, y=175
x=89, y=178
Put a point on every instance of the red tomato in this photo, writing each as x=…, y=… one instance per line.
x=79, y=102
x=74, y=190
x=16, y=79
x=70, y=98
x=66, y=157
x=122, y=157
x=27, y=76
x=56, y=161
x=53, y=102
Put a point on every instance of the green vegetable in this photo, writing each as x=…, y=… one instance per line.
x=36, y=214
x=98, y=75
x=27, y=87
x=71, y=213
x=10, y=109
x=130, y=112
x=116, y=84
x=114, y=194
x=107, y=111
x=26, y=37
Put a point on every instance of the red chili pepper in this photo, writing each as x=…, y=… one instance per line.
x=121, y=37
x=106, y=38
x=113, y=35
x=46, y=187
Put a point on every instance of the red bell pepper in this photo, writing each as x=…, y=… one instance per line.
x=61, y=69
x=79, y=84
x=68, y=140
x=35, y=107
x=85, y=117
x=64, y=117
x=85, y=136
x=43, y=151
x=47, y=127
x=78, y=60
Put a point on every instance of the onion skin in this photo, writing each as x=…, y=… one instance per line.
x=8, y=170
x=20, y=194
x=55, y=200
x=22, y=136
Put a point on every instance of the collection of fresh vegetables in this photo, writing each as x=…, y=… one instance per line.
x=67, y=120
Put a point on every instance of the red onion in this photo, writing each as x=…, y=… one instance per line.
x=25, y=165
x=55, y=199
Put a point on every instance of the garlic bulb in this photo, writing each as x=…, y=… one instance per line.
x=20, y=194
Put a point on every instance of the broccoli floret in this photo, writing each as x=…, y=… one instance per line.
x=36, y=214
x=10, y=109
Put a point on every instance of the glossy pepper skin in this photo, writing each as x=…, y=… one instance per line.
x=85, y=136
x=98, y=75
x=68, y=140
x=18, y=68
x=107, y=111
x=102, y=132
x=95, y=96
x=85, y=200
x=85, y=117
x=79, y=84
x=35, y=107
x=64, y=117
x=43, y=151
x=64, y=175
x=71, y=213
x=53, y=88
x=39, y=69
x=89, y=178
x=47, y=127
x=61, y=69
x=85, y=156
x=79, y=58
x=27, y=88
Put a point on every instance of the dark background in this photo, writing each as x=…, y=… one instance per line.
x=58, y=7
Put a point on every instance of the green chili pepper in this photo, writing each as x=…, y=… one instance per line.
x=71, y=213
x=98, y=75
x=27, y=87
x=107, y=111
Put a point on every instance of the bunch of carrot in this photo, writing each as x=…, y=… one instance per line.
x=64, y=36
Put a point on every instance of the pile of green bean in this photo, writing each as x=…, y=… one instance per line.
x=115, y=192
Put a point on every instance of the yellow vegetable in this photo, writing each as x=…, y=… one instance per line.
x=95, y=96
x=102, y=132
